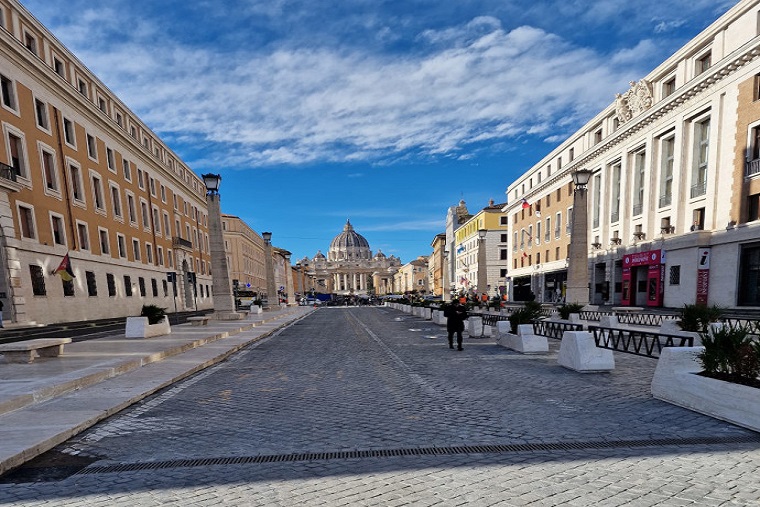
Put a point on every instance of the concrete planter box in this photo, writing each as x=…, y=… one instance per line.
x=138, y=327
x=525, y=341
x=676, y=381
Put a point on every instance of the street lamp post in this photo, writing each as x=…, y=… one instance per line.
x=269, y=265
x=224, y=298
x=577, y=269
x=482, y=268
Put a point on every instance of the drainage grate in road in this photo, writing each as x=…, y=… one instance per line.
x=423, y=451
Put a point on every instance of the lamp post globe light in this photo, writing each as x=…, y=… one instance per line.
x=224, y=298
x=269, y=266
x=577, y=269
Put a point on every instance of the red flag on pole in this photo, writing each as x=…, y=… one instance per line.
x=64, y=269
x=525, y=204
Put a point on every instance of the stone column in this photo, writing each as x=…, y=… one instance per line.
x=577, y=269
x=224, y=299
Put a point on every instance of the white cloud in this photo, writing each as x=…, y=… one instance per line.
x=475, y=82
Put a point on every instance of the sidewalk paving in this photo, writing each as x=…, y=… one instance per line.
x=48, y=401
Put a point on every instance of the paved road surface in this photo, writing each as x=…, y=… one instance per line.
x=369, y=406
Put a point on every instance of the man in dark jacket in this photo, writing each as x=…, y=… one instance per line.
x=455, y=314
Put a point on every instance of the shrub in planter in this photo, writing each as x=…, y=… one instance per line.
x=698, y=317
x=154, y=313
x=566, y=309
x=731, y=354
x=530, y=312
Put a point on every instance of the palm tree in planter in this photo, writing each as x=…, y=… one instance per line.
x=151, y=322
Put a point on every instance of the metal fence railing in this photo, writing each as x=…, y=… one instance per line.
x=640, y=343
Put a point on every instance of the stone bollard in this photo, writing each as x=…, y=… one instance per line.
x=475, y=327
x=579, y=352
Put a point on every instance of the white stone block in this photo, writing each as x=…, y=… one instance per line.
x=526, y=342
x=575, y=318
x=609, y=321
x=579, y=352
x=475, y=326
x=427, y=313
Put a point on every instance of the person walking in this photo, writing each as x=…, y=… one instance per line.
x=455, y=314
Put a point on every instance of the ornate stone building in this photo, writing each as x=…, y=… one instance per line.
x=350, y=267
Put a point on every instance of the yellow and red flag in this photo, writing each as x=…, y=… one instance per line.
x=64, y=269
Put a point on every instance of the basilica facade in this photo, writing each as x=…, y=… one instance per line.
x=350, y=268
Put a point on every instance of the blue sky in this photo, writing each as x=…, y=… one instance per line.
x=378, y=111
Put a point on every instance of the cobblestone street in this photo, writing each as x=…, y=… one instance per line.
x=369, y=406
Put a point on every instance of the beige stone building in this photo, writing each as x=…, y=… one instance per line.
x=437, y=267
x=84, y=175
x=412, y=277
x=673, y=201
x=245, y=254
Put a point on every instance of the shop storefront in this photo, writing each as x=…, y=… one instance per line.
x=643, y=278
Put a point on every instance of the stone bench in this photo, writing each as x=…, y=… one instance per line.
x=627, y=309
x=198, y=321
x=27, y=351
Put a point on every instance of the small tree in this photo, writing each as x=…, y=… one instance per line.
x=154, y=313
x=568, y=308
x=525, y=315
x=698, y=317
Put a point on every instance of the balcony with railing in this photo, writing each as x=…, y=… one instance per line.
x=615, y=216
x=752, y=167
x=638, y=209
x=182, y=244
x=665, y=200
x=698, y=189
x=7, y=172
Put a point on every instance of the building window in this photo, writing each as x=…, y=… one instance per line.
x=160, y=256
x=59, y=67
x=701, y=152
x=48, y=171
x=136, y=249
x=84, y=237
x=698, y=222
x=92, y=150
x=703, y=63
x=59, y=231
x=165, y=285
x=104, y=245
x=111, y=283
x=141, y=284
x=97, y=192
x=69, y=135
x=120, y=120
x=140, y=180
x=749, y=275
x=145, y=215
x=30, y=41
x=26, y=220
x=615, y=201
x=503, y=254
x=639, y=167
x=17, y=155
x=669, y=87
x=76, y=183
x=41, y=112
x=82, y=86
x=38, y=280
x=597, y=204
x=149, y=253
x=121, y=244
x=68, y=288
x=667, y=148
x=116, y=200
x=92, y=284
x=127, y=170
x=128, y=286
x=131, y=209
x=9, y=93
x=675, y=275
x=154, y=286
x=102, y=104
x=110, y=160
x=753, y=207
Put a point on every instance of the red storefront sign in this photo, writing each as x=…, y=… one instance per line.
x=703, y=276
x=655, y=260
